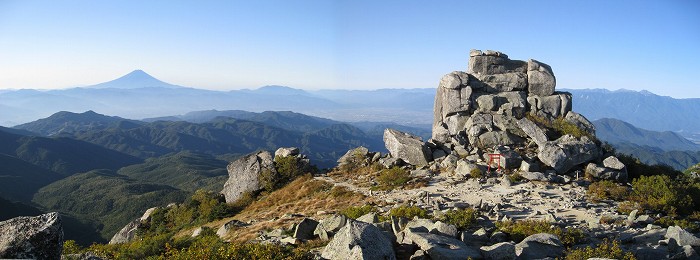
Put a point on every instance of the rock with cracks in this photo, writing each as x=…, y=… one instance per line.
x=39, y=237
x=359, y=240
x=244, y=175
x=407, y=147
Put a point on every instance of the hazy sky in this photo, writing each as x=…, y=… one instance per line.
x=652, y=45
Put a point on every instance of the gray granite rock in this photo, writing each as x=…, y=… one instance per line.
x=39, y=237
x=359, y=240
x=244, y=174
x=407, y=147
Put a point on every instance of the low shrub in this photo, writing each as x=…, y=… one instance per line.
x=686, y=224
x=606, y=249
x=389, y=179
x=356, y=212
x=515, y=177
x=607, y=190
x=408, y=212
x=461, y=218
x=519, y=230
x=476, y=173
x=660, y=193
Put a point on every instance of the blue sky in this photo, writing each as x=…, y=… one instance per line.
x=652, y=45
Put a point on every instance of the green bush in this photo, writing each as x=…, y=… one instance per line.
x=356, y=212
x=660, y=193
x=515, y=177
x=606, y=249
x=668, y=221
x=635, y=168
x=567, y=128
x=408, y=212
x=519, y=230
x=389, y=179
x=476, y=173
x=461, y=218
x=607, y=190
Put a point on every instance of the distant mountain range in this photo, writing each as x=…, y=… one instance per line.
x=138, y=95
x=616, y=131
x=93, y=167
x=642, y=109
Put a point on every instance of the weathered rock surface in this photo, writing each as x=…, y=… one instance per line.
x=39, y=237
x=539, y=246
x=359, y=240
x=407, y=147
x=486, y=107
x=440, y=247
x=567, y=152
x=682, y=237
x=499, y=251
x=329, y=226
x=244, y=174
x=540, y=78
x=127, y=233
x=305, y=229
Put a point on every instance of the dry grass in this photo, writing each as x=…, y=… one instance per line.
x=305, y=196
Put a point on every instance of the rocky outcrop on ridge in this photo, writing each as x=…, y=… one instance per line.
x=246, y=174
x=39, y=237
x=508, y=108
x=128, y=232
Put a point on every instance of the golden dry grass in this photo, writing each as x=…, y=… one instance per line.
x=305, y=196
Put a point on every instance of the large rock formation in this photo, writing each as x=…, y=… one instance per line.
x=39, y=237
x=502, y=102
x=244, y=174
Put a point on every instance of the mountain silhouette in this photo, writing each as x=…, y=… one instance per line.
x=133, y=80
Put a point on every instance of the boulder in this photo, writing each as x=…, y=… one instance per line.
x=353, y=156
x=603, y=173
x=540, y=78
x=359, y=240
x=499, y=251
x=552, y=106
x=682, y=237
x=465, y=168
x=39, y=237
x=538, y=246
x=509, y=158
x=495, y=138
x=453, y=95
x=305, y=229
x=226, y=227
x=331, y=224
x=127, y=233
x=613, y=163
x=147, y=214
x=444, y=229
x=369, y=218
x=244, y=174
x=441, y=247
x=485, y=64
x=533, y=131
x=407, y=147
x=526, y=166
x=286, y=151
x=509, y=81
x=567, y=152
x=580, y=121
x=511, y=103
